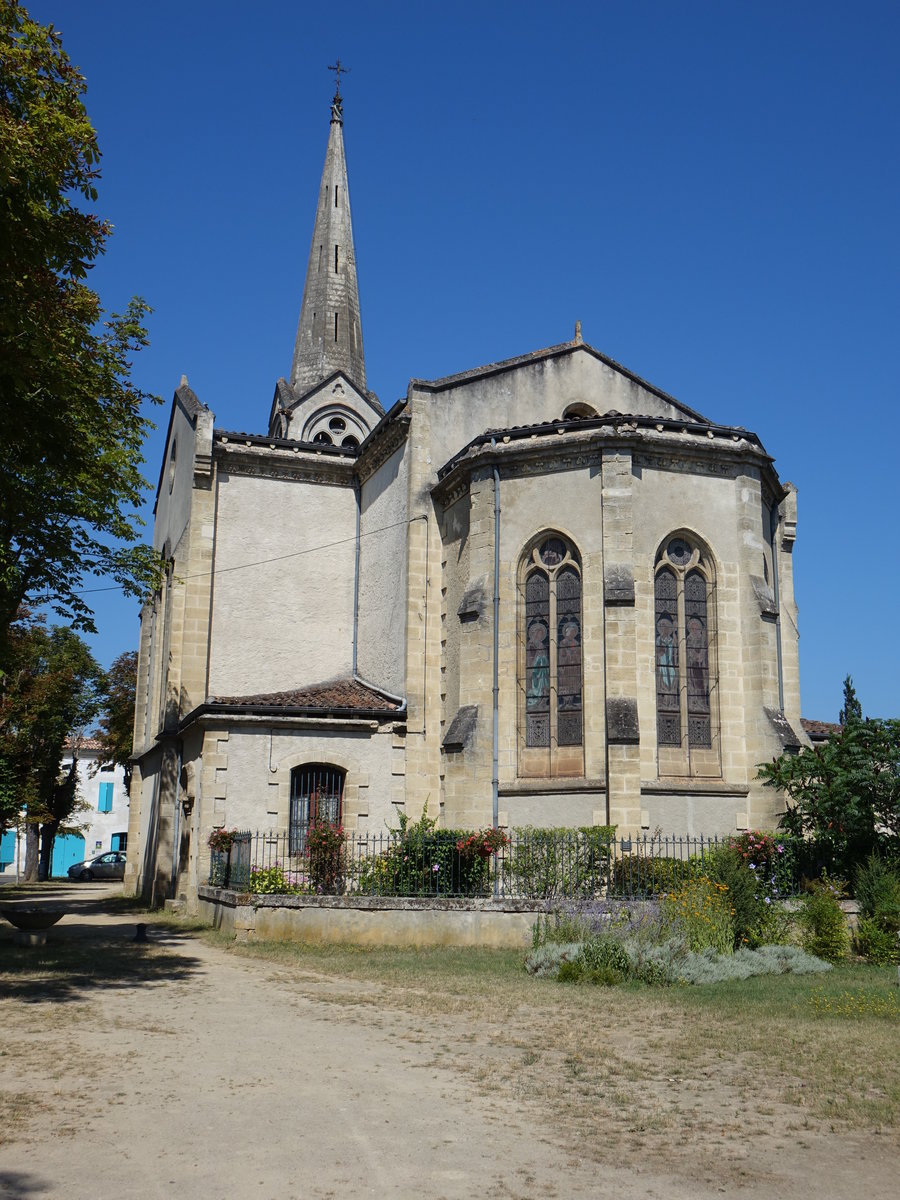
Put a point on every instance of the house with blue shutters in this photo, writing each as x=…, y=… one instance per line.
x=102, y=826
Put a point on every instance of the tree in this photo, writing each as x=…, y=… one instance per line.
x=71, y=427
x=845, y=793
x=53, y=689
x=117, y=722
x=852, y=709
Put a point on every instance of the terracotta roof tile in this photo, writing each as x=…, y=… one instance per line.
x=83, y=743
x=341, y=695
x=819, y=730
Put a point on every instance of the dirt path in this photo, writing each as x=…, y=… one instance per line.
x=191, y=1073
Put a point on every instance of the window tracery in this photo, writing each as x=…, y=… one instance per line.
x=551, y=689
x=335, y=426
x=684, y=615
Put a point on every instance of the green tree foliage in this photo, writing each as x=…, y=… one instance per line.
x=71, y=427
x=53, y=689
x=852, y=709
x=116, y=730
x=845, y=793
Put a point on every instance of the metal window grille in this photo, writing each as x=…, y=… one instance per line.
x=316, y=794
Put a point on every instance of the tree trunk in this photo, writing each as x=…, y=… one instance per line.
x=48, y=836
x=32, y=834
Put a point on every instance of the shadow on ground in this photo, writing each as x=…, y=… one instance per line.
x=19, y=1185
x=94, y=947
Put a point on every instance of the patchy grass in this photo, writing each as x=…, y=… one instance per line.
x=806, y=1051
x=690, y=1076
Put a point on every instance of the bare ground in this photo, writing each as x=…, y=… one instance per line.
x=191, y=1072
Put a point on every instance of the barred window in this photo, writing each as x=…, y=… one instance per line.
x=317, y=792
x=684, y=646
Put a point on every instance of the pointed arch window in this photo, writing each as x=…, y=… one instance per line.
x=550, y=674
x=685, y=659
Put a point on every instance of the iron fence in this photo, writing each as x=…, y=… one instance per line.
x=536, y=864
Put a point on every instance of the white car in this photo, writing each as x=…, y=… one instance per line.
x=104, y=866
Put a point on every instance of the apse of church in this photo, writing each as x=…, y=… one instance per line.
x=537, y=592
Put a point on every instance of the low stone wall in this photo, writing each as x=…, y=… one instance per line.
x=372, y=920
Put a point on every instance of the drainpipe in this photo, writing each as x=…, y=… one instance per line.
x=496, y=714
x=605, y=656
x=176, y=824
x=357, y=491
x=774, y=522
x=495, y=762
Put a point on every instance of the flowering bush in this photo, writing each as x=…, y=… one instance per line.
x=422, y=860
x=276, y=881
x=221, y=840
x=325, y=849
x=702, y=914
x=483, y=844
x=773, y=857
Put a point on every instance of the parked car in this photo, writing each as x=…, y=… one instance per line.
x=104, y=866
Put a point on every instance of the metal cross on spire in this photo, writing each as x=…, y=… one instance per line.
x=338, y=71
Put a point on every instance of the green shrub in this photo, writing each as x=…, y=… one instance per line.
x=877, y=889
x=823, y=925
x=547, y=959
x=546, y=863
x=424, y=861
x=576, y=972
x=640, y=876
x=700, y=910
x=729, y=867
x=709, y=967
x=759, y=920
x=605, y=952
x=269, y=881
x=877, y=944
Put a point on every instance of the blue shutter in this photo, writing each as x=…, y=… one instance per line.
x=106, y=798
x=7, y=848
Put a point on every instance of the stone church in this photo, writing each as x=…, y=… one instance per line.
x=538, y=592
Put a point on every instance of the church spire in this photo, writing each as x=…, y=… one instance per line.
x=329, y=335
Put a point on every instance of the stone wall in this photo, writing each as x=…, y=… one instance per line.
x=371, y=921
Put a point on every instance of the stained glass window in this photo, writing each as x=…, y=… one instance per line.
x=552, y=682
x=668, y=706
x=537, y=659
x=682, y=592
x=697, y=654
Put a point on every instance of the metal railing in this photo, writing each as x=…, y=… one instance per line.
x=536, y=864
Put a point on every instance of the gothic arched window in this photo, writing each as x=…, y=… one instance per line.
x=550, y=675
x=684, y=638
x=317, y=792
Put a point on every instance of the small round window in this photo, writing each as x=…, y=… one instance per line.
x=338, y=424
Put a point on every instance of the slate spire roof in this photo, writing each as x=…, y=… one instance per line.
x=329, y=334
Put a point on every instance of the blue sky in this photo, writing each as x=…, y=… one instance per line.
x=712, y=189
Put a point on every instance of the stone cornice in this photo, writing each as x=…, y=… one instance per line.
x=382, y=442
x=238, y=454
x=663, y=445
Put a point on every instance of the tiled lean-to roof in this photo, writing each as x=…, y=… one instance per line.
x=340, y=695
x=819, y=731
